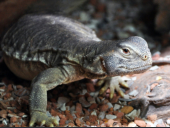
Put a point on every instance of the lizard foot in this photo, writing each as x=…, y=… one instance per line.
x=114, y=84
x=42, y=119
x=142, y=104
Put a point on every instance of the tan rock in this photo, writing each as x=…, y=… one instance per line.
x=127, y=109
x=110, y=123
x=104, y=107
x=78, y=108
x=13, y=119
x=152, y=117
x=140, y=123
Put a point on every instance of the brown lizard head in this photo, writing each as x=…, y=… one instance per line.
x=128, y=56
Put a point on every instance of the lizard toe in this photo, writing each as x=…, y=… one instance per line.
x=42, y=119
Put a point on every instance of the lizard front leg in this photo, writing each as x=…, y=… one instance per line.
x=114, y=84
x=45, y=81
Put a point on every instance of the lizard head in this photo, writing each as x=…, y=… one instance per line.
x=128, y=56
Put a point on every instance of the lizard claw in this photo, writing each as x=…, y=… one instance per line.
x=42, y=119
x=114, y=84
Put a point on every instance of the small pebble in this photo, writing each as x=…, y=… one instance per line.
x=149, y=123
x=109, y=116
x=120, y=114
x=127, y=109
x=159, y=121
x=140, y=123
x=133, y=114
x=153, y=68
x=62, y=100
x=102, y=115
x=131, y=124
x=83, y=101
x=168, y=121
x=152, y=117
x=94, y=113
x=158, y=78
x=93, y=106
x=13, y=119
x=116, y=107
x=133, y=93
x=110, y=123
x=63, y=107
x=78, y=108
x=110, y=105
x=104, y=107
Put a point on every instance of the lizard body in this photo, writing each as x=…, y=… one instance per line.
x=53, y=50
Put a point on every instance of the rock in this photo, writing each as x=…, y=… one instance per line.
x=91, y=100
x=84, y=17
x=68, y=108
x=62, y=100
x=63, y=107
x=149, y=123
x=104, y=107
x=19, y=86
x=131, y=124
x=109, y=105
x=13, y=119
x=71, y=124
x=94, y=113
x=88, y=123
x=133, y=114
x=57, y=118
x=73, y=108
x=110, y=123
x=93, y=106
x=86, y=112
x=3, y=113
x=120, y=114
x=62, y=121
x=127, y=109
x=152, y=117
x=153, y=68
x=140, y=123
x=9, y=88
x=78, y=108
x=3, y=105
x=12, y=115
x=168, y=121
x=115, y=99
x=90, y=87
x=159, y=122
x=83, y=101
x=21, y=114
x=134, y=93
x=92, y=118
x=7, y=96
x=116, y=107
x=53, y=112
x=78, y=122
x=109, y=116
x=103, y=125
x=102, y=115
x=21, y=92
x=160, y=125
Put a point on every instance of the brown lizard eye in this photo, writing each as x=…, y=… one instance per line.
x=126, y=51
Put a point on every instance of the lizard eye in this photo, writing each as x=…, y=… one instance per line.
x=126, y=51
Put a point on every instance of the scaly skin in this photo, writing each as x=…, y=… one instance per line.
x=54, y=50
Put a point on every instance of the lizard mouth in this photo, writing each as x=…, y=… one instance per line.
x=138, y=69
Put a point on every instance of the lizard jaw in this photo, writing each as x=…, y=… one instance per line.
x=139, y=69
